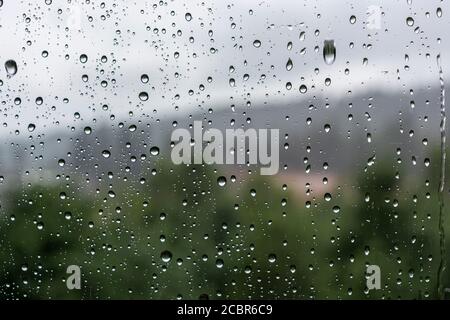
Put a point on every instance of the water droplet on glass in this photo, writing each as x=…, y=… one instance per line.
x=329, y=52
x=143, y=96
x=11, y=67
x=166, y=256
x=257, y=43
x=154, y=151
x=221, y=181
x=410, y=21
x=83, y=58
x=31, y=127
x=289, y=65
x=219, y=263
x=272, y=258
x=144, y=78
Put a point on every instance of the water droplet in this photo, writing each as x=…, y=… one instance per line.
x=83, y=58
x=329, y=52
x=289, y=65
x=188, y=16
x=221, y=181
x=154, y=151
x=144, y=78
x=352, y=19
x=87, y=130
x=11, y=67
x=257, y=43
x=143, y=96
x=106, y=153
x=166, y=256
x=272, y=258
x=410, y=21
x=302, y=36
x=219, y=263
x=31, y=127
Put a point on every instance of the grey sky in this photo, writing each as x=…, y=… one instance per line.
x=142, y=38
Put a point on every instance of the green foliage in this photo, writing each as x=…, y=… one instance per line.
x=252, y=238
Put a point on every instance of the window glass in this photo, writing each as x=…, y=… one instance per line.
x=224, y=149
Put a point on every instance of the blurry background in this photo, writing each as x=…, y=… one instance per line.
x=88, y=88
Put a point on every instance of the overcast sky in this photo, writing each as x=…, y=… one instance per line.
x=140, y=37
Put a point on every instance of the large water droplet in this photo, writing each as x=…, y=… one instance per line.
x=143, y=96
x=221, y=181
x=154, y=151
x=410, y=21
x=289, y=65
x=11, y=67
x=303, y=89
x=166, y=256
x=329, y=51
x=31, y=127
x=83, y=58
x=144, y=78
